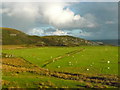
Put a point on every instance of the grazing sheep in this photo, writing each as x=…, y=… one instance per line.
x=6, y=55
x=108, y=61
x=87, y=69
x=58, y=66
x=69, y=62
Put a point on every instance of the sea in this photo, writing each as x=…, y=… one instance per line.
x=114, y=42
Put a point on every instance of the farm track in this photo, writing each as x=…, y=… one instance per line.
x=110, y=80
x=62, y=56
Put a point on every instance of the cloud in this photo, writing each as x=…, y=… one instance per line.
x=41, y=32
x=20, y=10
x=63, y=18
x=59, y=32
x=94, y=19
x=57, y=15
x=21, y=16
x=60, y=1
x=36, y=31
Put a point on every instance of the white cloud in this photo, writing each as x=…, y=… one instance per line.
x=59, y=32
x=59, y=17
x=4, y=10
x=41, y=32
x=21, y=10
x=25, y=15
x=36, y=31
x=60, y=0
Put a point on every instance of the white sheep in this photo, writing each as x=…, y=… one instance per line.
x=58, y=66
x=87, y=69
x=6, y=55
x=108, y=61
x=69, y=62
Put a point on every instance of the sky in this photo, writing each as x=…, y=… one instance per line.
x=88, y=20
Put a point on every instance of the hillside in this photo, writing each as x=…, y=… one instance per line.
x=12, y=36
x=16, y=37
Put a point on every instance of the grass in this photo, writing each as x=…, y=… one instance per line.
x=39, y=55
x=27, y=80
x=24, y=69
x=94, y=58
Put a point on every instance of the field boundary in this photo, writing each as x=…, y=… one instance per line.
x=61, y=56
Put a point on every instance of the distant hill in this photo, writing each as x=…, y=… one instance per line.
x=15, y=37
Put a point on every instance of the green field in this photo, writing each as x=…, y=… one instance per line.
x=94, y=58
x=60, y=63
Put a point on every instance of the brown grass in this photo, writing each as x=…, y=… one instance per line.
x=18, y=65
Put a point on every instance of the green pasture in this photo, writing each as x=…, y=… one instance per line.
x=92, y=59
x=39, y=55
x=28, y=80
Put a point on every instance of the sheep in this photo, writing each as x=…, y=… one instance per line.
x=87, y=69
x=6, y=55
x=108, y=61
x=69, y=62
x=58, y=66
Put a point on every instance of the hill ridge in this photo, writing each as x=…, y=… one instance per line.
x=15, y=37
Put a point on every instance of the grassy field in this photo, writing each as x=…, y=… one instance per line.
x=22, y=74
x=102, y=60
x=45, y=67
